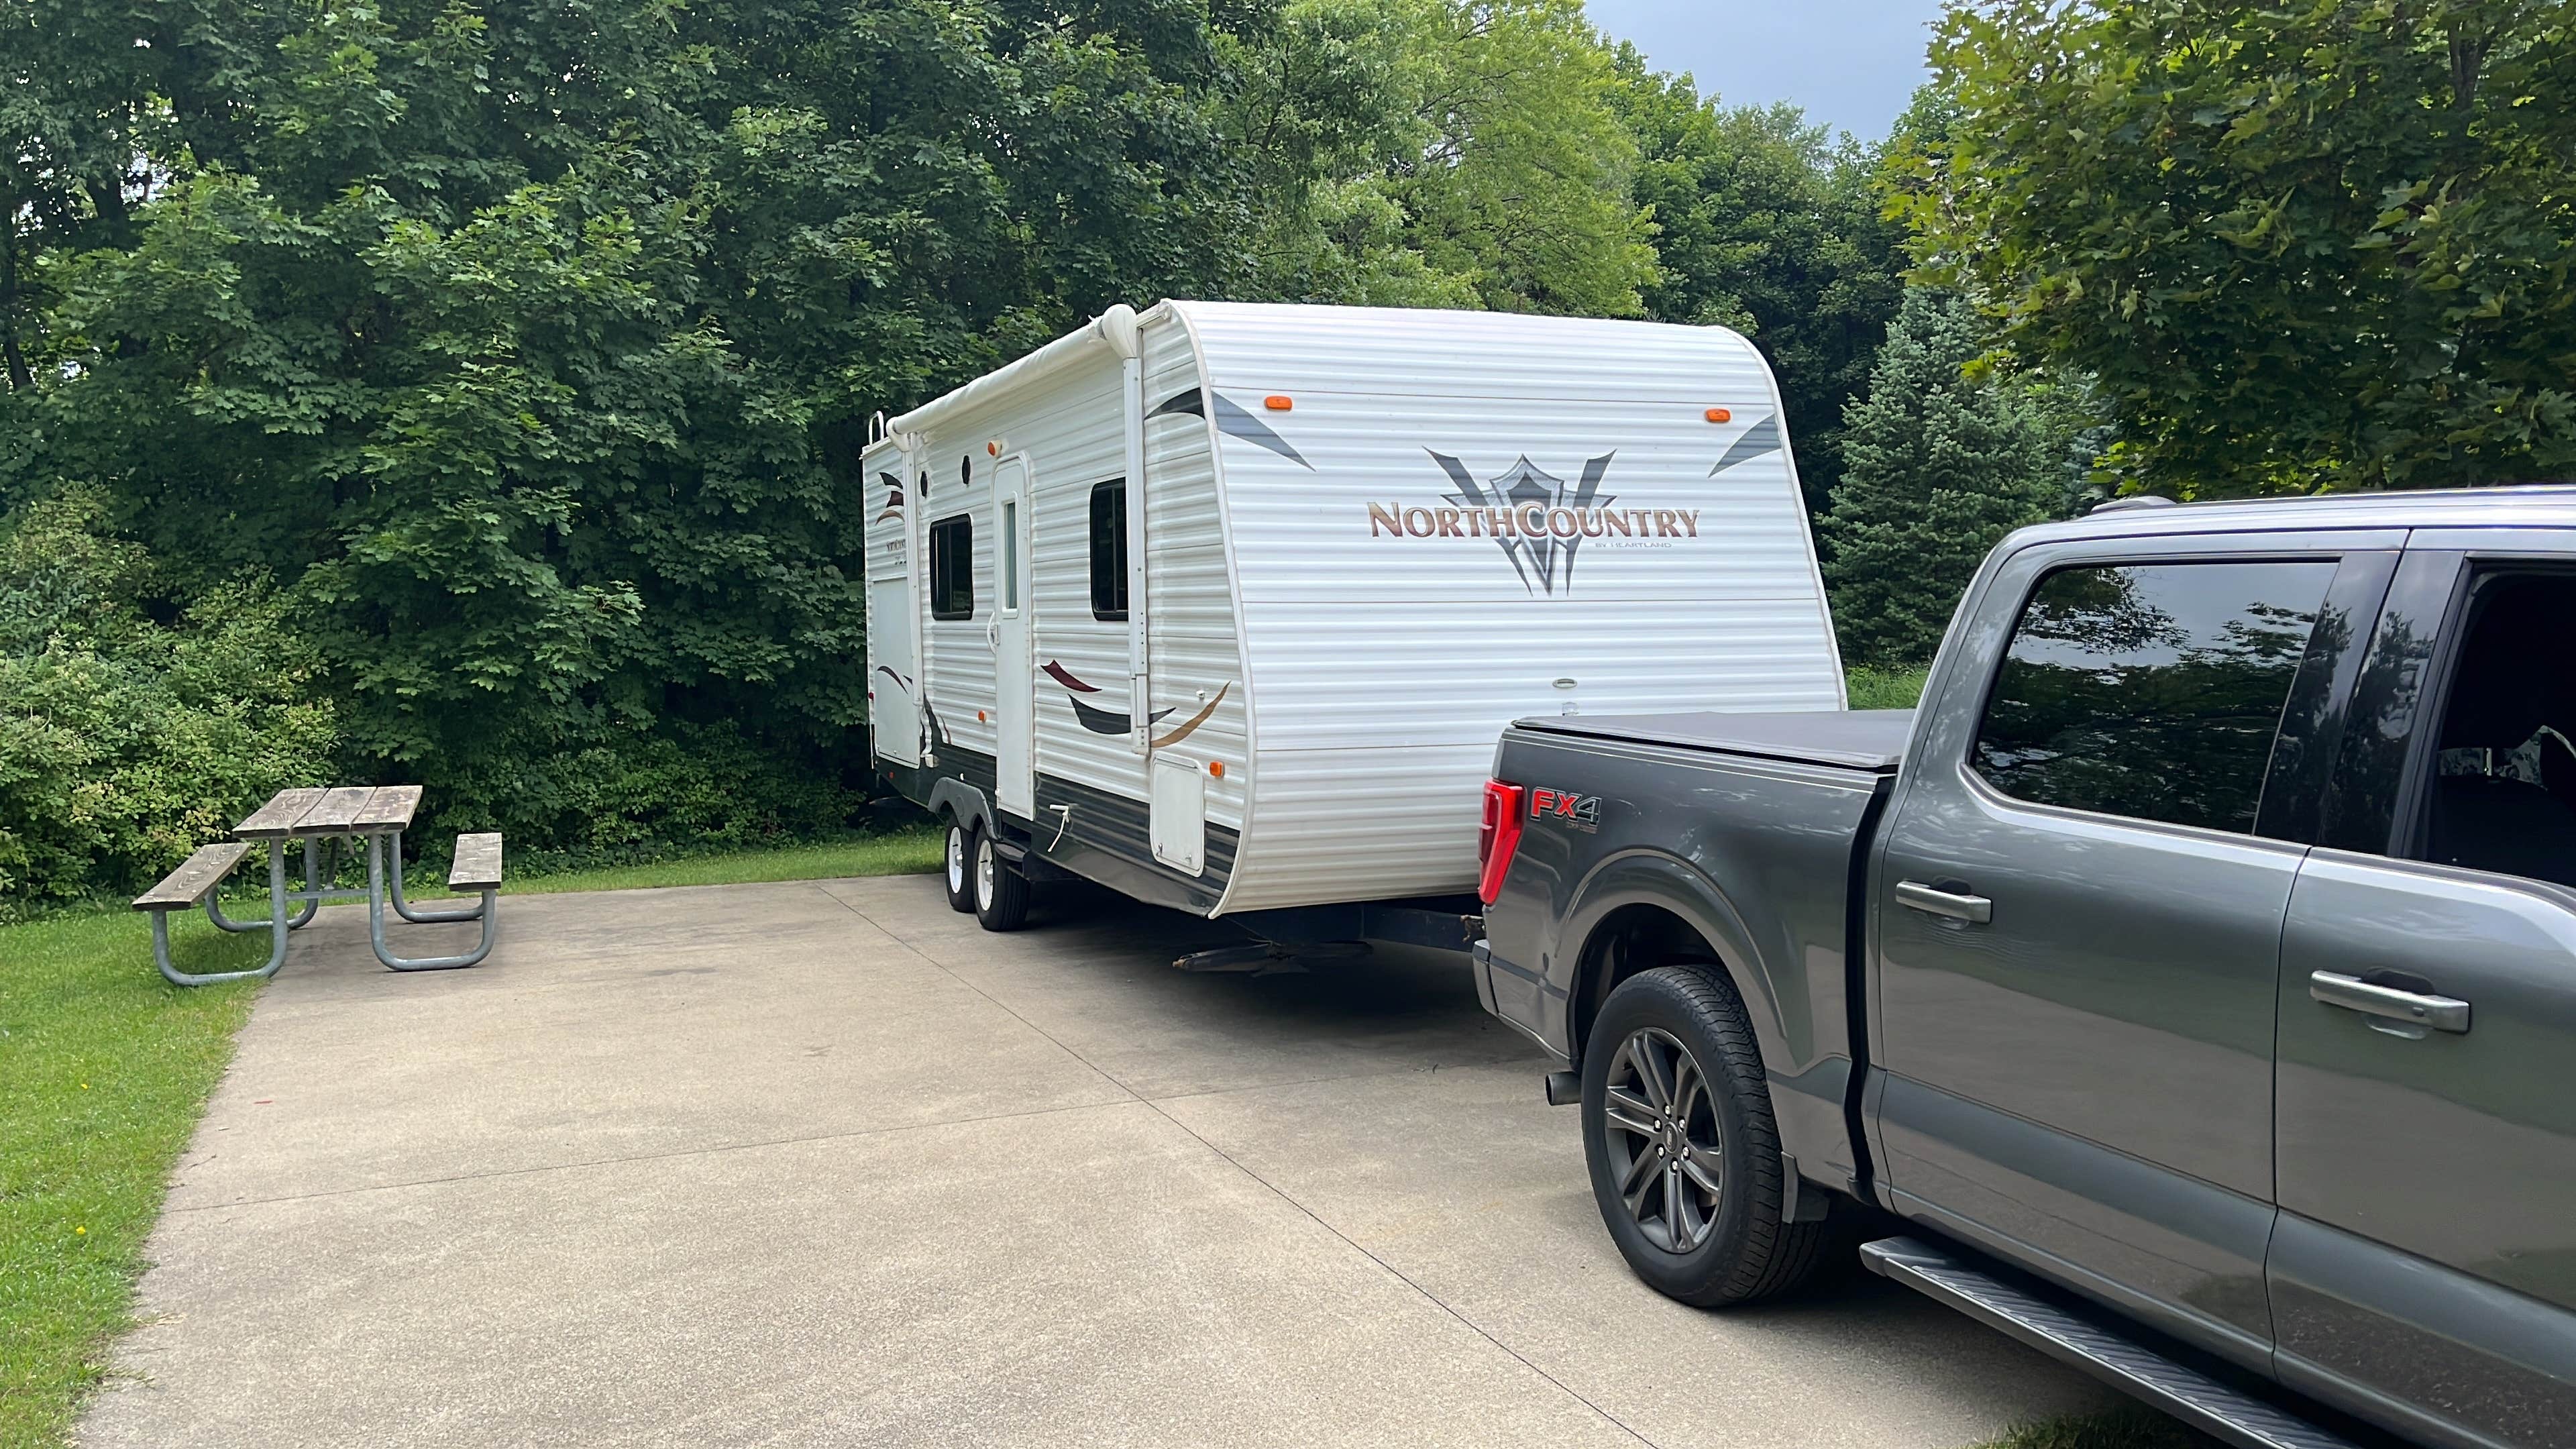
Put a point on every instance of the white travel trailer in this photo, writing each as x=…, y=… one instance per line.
x=1225, y=605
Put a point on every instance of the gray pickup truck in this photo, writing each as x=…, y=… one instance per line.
x=2189, y=985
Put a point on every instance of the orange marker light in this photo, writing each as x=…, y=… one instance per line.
x=1217, y=768
x=1719, y=415
x=979, y=716
x=1278, y=402
x=993, y=449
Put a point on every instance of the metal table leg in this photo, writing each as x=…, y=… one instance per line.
x=277, y=922
x=403, y=907
x=314, y=875
x=376, y=923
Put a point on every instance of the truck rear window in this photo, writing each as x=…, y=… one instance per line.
x=2151, y=690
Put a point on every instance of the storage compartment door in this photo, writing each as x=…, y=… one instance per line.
x=1179, y=825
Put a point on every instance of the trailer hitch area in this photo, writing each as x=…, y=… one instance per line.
x=1268, y=958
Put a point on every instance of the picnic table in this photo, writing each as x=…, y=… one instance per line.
x=323, y=820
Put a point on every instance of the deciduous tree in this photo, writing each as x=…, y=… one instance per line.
x=2303, y=244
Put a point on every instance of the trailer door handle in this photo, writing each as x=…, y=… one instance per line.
x=1955, y=905
x=2414, y=1008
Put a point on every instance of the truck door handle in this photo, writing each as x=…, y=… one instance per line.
x=2415, y=1008
x=1934, y=901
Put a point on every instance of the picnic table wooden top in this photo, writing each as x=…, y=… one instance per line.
x=346, y=810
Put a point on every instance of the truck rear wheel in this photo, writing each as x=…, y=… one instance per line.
x=1684, y=1153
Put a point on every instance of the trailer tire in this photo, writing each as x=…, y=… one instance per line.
x=958, y=866
x=1692, y=1109
x=1001, y=888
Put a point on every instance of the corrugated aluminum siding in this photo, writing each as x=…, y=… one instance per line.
x=1068, y=424
x=1385, y=664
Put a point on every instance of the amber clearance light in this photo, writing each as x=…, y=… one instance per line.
x=1279, y=402
x=1719, y=415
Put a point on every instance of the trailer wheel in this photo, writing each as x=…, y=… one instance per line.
x=1685, y=1156
x=1001, y=890
x=960, y=866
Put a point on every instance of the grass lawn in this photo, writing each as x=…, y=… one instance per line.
x=1873, y=688
x=2135, y=1427
x=104, y=1069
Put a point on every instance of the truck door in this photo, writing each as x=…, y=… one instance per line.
x=2426, y=1254
x=2079, y=912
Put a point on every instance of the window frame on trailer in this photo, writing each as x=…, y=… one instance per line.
x=1114, y=490
x=951, y=563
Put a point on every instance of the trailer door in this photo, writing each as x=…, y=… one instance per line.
x=894, y=681
x=1014, y=682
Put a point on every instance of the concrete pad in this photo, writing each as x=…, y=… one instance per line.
x=606, y=1026
x=828, y=1164
x=1098, y=978
x=1090, y=1276
x=1474, y=1189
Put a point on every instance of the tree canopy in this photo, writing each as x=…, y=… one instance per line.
x=2301, y=244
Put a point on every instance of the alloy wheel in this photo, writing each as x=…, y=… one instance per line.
x=984, y=870
x=956, y=860
x=1659, y=1124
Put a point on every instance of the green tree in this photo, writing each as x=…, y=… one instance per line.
x=1765, y=224
x=1943, y=460
x=2302, y=244
x=531, y=348
x=1441, y=153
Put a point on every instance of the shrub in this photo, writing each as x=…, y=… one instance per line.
x=126, y=742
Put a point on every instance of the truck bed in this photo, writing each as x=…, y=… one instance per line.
x=1871, y=740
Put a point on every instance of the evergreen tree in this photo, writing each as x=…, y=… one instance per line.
x=1938, y=465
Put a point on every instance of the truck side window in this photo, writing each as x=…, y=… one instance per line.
x=952, y=568
x=1109, y=550
x=2504, y=787
x=2151, y=690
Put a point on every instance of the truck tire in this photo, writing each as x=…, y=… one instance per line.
x=1685, y=1156
x=958, y=867
x=1001, y=890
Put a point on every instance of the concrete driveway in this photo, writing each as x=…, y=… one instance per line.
x=826, y=1164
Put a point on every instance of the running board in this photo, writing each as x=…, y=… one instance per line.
x=2186, y=1393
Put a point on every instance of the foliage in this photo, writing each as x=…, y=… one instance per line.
x=1941, y=466
x=1440, y=153
x=1873, y=686
x=1766, y=225
x=530, y=349
x=2303, y=244
x=125, y=743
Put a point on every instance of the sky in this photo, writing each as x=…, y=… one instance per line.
x=1851, y=63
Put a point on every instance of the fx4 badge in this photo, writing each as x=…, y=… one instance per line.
x=1581, y=812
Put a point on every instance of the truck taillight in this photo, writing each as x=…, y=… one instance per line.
x=1498, y=838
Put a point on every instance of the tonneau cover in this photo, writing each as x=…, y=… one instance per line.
x=1856, y=739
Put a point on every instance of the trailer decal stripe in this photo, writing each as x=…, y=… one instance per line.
x=1178, y=735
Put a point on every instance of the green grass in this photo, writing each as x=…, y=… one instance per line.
x=105, y=1068
x=1876, y=688
x=903, y=852
x=2127, y=1427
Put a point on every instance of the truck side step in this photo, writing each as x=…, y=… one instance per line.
x=2203, y=1402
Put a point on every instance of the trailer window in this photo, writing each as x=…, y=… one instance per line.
x=952, y=568
x=1109, y=549
x=2151, y=691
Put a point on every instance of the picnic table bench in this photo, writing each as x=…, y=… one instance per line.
x=321, y=819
